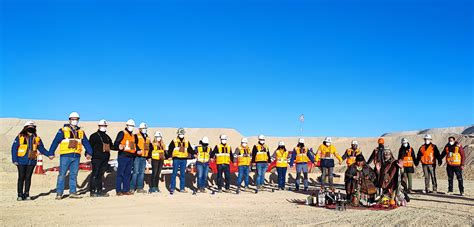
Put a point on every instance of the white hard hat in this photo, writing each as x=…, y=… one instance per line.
x=354, y=142
x=281, y=143
x=143, y=125
x=29, y=123
x=244, y=140
x=328, y=140
x=102, y=122
x=181, y=131
x=261, y=137
x=223, y=137
x=205, y=140
x=158, y=134
x=130, y=122
x=404, y=140
x=427, y=137
x=301, y=140
x=73, y=115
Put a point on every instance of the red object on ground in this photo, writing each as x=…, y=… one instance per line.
x=82, y=166
x=39, y=165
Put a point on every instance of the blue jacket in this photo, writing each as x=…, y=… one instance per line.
x=60, y=136
x=309, y=154
x=24, y=160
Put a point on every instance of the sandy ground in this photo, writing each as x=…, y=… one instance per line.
x=264, y=208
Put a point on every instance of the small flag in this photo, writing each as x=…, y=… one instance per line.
x=302, y=118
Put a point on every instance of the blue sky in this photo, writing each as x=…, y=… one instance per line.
x=354, y=68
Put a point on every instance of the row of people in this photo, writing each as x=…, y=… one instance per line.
x=135, y=149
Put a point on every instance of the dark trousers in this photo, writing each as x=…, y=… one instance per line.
x=156, y=166
x=99, y=166
x=451, y=171
x=281, y=176
x=24, y=178
x=223, y=169
x=124, y=172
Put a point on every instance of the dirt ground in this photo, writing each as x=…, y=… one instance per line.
x=279, y=208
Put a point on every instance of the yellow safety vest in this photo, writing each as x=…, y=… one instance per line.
x=23, y=145
x=69, y=136
x=281, y=158
x=203, y=155
x=301, y=155
x=351, y=159
x=244, y=157
x=453, y=158
x=143, y=144
x=177, y=145
x=262, y=155
x=158, y=151
x=223, y=154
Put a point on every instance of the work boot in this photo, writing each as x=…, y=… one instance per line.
x=449, y=193
x=59, y=196
x=119, y=194
x=141, y=191
x=74, y=195
x=93, y=194
x=20, y=197
x=183, y=191
x=128, y=193
x=26, y=196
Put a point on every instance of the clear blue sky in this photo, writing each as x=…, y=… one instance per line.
x=354, y=68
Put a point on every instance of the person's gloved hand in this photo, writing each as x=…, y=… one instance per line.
x=88, y=157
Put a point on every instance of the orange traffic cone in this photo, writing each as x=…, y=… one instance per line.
x=39, y=165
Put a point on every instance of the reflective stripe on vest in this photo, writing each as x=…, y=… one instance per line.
x=301, y=155
x=408, y=158
x=129, y=143
x=23, y=145
x=158, y=151
x=143, y=144
x=453, y=158
x=177, y=145
x=281, y=158
x=223, y=154
x=427, y=155
x=244, y=157
x=70, y=135
x=203, y=156
x=352, y=156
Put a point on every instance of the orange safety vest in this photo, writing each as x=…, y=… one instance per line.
x=427, y=155
x=177, y=145
x=23, y=145
x=69, y=135
x=223, y=154
x=453, y=158
x=244, y=157
x=128, y=141
x=261, y=155
x=158, y=151
x=143, y=144
x=408, y=158
x=301, y=155
x=203, y=155
x=281, y=158
x=351, y=159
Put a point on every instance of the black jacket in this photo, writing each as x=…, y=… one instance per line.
x=96, y=140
